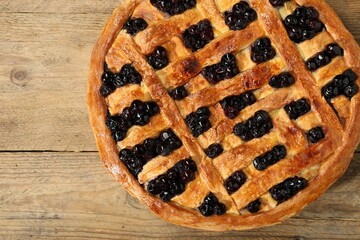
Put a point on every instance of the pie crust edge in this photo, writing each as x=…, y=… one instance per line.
x=329, y=172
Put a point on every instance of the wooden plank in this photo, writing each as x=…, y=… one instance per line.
x=71, y=196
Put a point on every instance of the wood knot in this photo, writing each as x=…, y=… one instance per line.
x=19, y=76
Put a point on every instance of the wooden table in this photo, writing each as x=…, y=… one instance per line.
x=52, y=183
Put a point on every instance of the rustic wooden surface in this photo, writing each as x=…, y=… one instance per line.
x=52, y=185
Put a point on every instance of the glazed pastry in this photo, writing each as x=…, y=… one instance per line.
x=225, y=115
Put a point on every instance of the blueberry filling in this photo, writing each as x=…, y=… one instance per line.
x=135, y=25
x=198, y=122
x=133, y=162
x=140, y=154
x=324, y=58
x=287, y=189
x=298, y=108
x=214, y=150
x=254, y=206
x=343, y=84
x=174, y=181
x=235, y=181
x=282, y=80
x=240, y=16
x=233, y=105
x=111, y=81
x=303, y=24
x=278, y=3
x=158, y=59
x=255, y=127
x=139, y=113
x=179, y=93
x=270, y=158
x=198, y=35
x=225, y=69
x=173, y=7
x=315, y=135
x=262, y=51
x=211, y=206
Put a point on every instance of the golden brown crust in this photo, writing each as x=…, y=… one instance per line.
x=329, y=164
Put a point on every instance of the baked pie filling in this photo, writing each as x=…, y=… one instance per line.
x=228, y=111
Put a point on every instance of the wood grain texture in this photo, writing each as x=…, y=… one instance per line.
x=65, y=193
x=57, y=195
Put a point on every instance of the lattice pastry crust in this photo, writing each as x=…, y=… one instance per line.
x=243, y=113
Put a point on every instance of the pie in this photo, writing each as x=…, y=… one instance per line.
x=225, y=115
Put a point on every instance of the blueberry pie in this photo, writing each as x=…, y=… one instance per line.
x=225, y=115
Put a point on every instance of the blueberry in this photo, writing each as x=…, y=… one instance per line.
x=254, y=206
x=291, y=20
x=295, y=34
x=119, y=135
x=206, y=210
x=286, y=79
x=240, y=16
x=279, y=152
x=312, y=64
x=351, y=75
x=228, y=59
x=176, y=188
x=232, y=105
x=270, y=158
x=315, y=135
x=133, y=163
x=152, y=108
x=297, y=108
x=225, y=69
x=112, y=123
x=211, y=199
x=135, y=25
x=131, y=74
x=262, y=51
x=242, y=132
x=166, y=196
x=187, y=176
x=107, y=89
x=107, y=77
x=211, y=205
x=174, y=181
x=341, y=81
x=330, y=91
x=139, y=150
x=287, y=189
x=260, y=163
x=322, y=59
x=214, y=150
x=197, y=36
x=283, y=80
x=235, y=181
x=278, y=3
x=198, y=122
x=334, y=50
x=153, y=188
x=189, y=164
x=173, y=7
x=255, y=127
x=303, y=24
x=351, y=91
x=179, y=93
x=158, y=59
x=219, y=209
